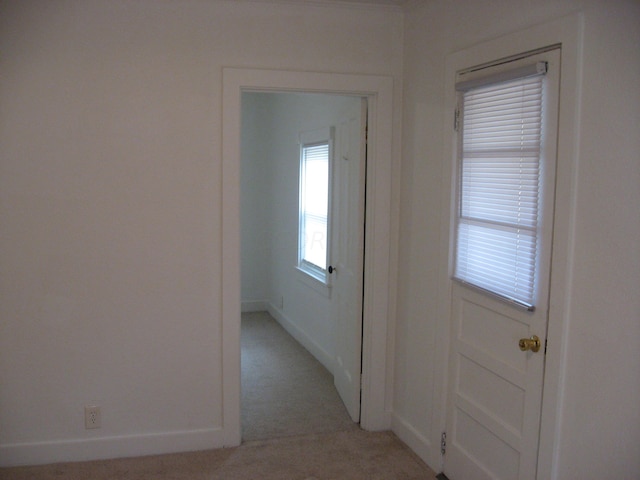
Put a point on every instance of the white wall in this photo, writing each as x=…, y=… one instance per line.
x=598, y=427
x=256, y=178
x=303, y=310
x=110, y=206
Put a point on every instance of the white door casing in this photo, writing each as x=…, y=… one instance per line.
x=378, y=90
x=347, y=255
x=495, y=389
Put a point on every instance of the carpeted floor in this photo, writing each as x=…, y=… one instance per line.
x=351, y=455
x=294, y=425
x=285, y=390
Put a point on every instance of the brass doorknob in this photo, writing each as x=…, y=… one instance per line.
x=532, y=343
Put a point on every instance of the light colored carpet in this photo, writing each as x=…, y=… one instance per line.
x=352, y=455
x=285, y=390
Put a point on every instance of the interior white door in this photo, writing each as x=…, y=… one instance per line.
x=347, y=254
x=495, y=388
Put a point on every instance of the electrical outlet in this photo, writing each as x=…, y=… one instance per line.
x=92, y=417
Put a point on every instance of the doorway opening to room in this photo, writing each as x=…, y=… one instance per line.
x=302, y=211
x=378, y=232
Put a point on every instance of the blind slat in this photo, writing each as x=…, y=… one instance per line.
x=498, y=215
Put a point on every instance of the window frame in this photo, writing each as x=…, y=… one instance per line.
x=314, y=275
x=493, y=74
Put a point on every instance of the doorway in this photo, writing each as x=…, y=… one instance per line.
x=322, y=311
x=378, y=90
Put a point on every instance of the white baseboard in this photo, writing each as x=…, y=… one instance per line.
x=254, y=306
x=307, y=342
x=78, y=450
x=414, y=439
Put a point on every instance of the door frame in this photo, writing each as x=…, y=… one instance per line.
x=567, y=32
x=375, y=352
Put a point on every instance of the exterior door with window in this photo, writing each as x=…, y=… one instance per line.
x=506, y=154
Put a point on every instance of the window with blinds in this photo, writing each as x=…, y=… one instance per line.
x=499, y=152
x=313, y=233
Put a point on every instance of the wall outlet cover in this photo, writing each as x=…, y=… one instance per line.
x=92, y=417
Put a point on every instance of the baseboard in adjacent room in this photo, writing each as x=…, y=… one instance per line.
x=312, y=347
x=254, y=306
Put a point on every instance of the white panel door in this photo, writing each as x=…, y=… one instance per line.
x=347, y=254
x=495, y=388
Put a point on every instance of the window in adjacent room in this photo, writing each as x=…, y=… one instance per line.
x=314, y=221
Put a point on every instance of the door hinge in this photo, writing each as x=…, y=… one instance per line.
x=443, y=443
x=456, y=119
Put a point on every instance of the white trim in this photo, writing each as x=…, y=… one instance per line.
x=85, y=449
x=320, y=354
x=567, y=32
x=379, y=92
x=311, y=281
x=254, y=306
x=411, y=436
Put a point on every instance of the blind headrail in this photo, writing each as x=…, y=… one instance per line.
x=538, y=68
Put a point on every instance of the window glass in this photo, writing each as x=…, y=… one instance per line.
x=314, y=208
x=500, y=135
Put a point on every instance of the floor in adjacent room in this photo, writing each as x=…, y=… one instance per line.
x=285, y=390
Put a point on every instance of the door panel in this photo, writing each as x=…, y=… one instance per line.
x=347, y=256
x=480, y=383
x=499, y=459
x=490, y=331
x=495, y=388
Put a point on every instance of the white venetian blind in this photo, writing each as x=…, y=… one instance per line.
x=315, y=203
x=499, y=185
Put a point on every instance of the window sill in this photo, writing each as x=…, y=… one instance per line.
x=313, y=282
